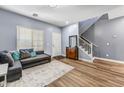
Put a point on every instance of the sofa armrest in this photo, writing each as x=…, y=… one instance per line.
x=47, y=54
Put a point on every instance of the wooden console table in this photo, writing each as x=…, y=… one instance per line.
x=72, y=52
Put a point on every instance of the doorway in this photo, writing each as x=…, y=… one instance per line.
x=56, y=43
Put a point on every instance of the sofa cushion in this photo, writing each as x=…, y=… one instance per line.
x=30, y=50
x=10, y=59
x=6, y=58
x=17, y=67
x=33, y=54
x=35, y=59
x=2, y=57
x=5, y=51
x=15, y=55
x=24, y=53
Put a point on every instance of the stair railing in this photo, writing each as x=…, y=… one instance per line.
x=87, y=45
x=88, y=41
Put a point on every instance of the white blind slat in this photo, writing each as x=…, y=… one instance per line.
x=29, y=38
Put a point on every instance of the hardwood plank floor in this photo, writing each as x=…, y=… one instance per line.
x=97, y=74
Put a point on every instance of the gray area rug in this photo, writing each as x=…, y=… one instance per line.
x=42, y=75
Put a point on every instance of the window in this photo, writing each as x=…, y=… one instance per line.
x=29, y=38
x=38, y=40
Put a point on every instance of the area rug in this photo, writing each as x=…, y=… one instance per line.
x=42, y=75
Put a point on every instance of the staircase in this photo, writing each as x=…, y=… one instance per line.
x=85, y=45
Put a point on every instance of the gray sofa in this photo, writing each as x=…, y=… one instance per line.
x=39, y=59
x=15, y=72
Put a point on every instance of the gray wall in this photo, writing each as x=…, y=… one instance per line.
x=69, y=31
x=108, y=31
x=8, y=23
x=84, y=25
x=66, y=32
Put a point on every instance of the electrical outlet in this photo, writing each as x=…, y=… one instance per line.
x=107, y=44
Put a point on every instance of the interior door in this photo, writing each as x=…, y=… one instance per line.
x=56, y=43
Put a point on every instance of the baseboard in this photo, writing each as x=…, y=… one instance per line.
x=60, y=55
x=85, y=60
x=111, y=60
x=64, y=55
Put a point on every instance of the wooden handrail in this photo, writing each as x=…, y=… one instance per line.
x=85, y=41
x=88, y=41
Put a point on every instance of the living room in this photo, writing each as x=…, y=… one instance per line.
x=45, y=46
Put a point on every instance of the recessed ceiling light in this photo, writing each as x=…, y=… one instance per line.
x=53, y=6
x=35, y=14
x=66, y=22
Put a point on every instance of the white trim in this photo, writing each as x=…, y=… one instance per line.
x=88, y=41
x=82, y=49
x=55, y=44
x=63, y=55
x=92, y=50
x=85, y=60
x=93, y=58
x=85, y=41
x=111, y=60
x=60, y=55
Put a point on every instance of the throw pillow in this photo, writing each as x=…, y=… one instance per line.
x=2, y=56
x=30, y=50
x=24, y=54
x=10, y=59
x=6, y=58
x=33, y=54
x=16, y=55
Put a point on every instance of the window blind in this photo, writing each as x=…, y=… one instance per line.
x=30, y=38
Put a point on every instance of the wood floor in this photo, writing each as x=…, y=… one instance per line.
x=97, y=74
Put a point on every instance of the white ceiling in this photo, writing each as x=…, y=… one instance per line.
x=62, y=13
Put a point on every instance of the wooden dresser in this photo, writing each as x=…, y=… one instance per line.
x=72, y=52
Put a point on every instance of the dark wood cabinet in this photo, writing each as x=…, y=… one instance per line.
x=72, y=52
